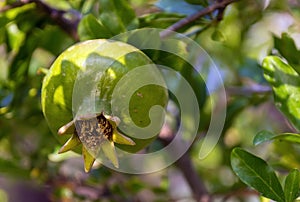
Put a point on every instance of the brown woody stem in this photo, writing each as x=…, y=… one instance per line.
x=220, y=5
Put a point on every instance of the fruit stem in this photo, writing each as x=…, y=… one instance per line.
x=42, y=70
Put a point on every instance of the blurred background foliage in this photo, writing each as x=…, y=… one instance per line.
x=33, y=33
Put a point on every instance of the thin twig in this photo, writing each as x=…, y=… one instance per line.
x=11, y=6
x=196, y=184
x=191, y=18
x=244, y=192
x=59, y=17
x=249, y=90
x=220, y=12
x=185, y=164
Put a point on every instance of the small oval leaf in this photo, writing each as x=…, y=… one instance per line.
x=288, y=49
x=264, y=136
x=256, y=173
x=117, y=15
x=292, y=185
x=92, y=28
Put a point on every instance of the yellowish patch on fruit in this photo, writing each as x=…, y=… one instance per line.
x=112, y=74
x=59, y=93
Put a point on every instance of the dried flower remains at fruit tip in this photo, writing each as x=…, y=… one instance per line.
x=96, y=133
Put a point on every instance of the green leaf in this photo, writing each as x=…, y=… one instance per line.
x=292, y=185
x=15, y=37
x=256, y=173
x=20, y=63
x=62, y=40
x=15, y=12
x=144, y=39
x=264, y=136
x=218, y=36
x=285, y=82
x=91, y=28
x=117, y=15
x=159, y=20
x=234, y=108
x=87, y=6
x=287, y=48
x=13, y=168
x=30, y=19
x=3, y=22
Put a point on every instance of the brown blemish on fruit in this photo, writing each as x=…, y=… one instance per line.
x=139, y=94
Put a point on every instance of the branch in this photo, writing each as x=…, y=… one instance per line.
x=248, y=90
x=244, y=192
x=187, y=168
x=220, y=12
x=216, y=6
x=196, y=184
x=59, y=17
x=11, y=6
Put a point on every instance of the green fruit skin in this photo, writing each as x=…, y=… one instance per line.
x=57, y=89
